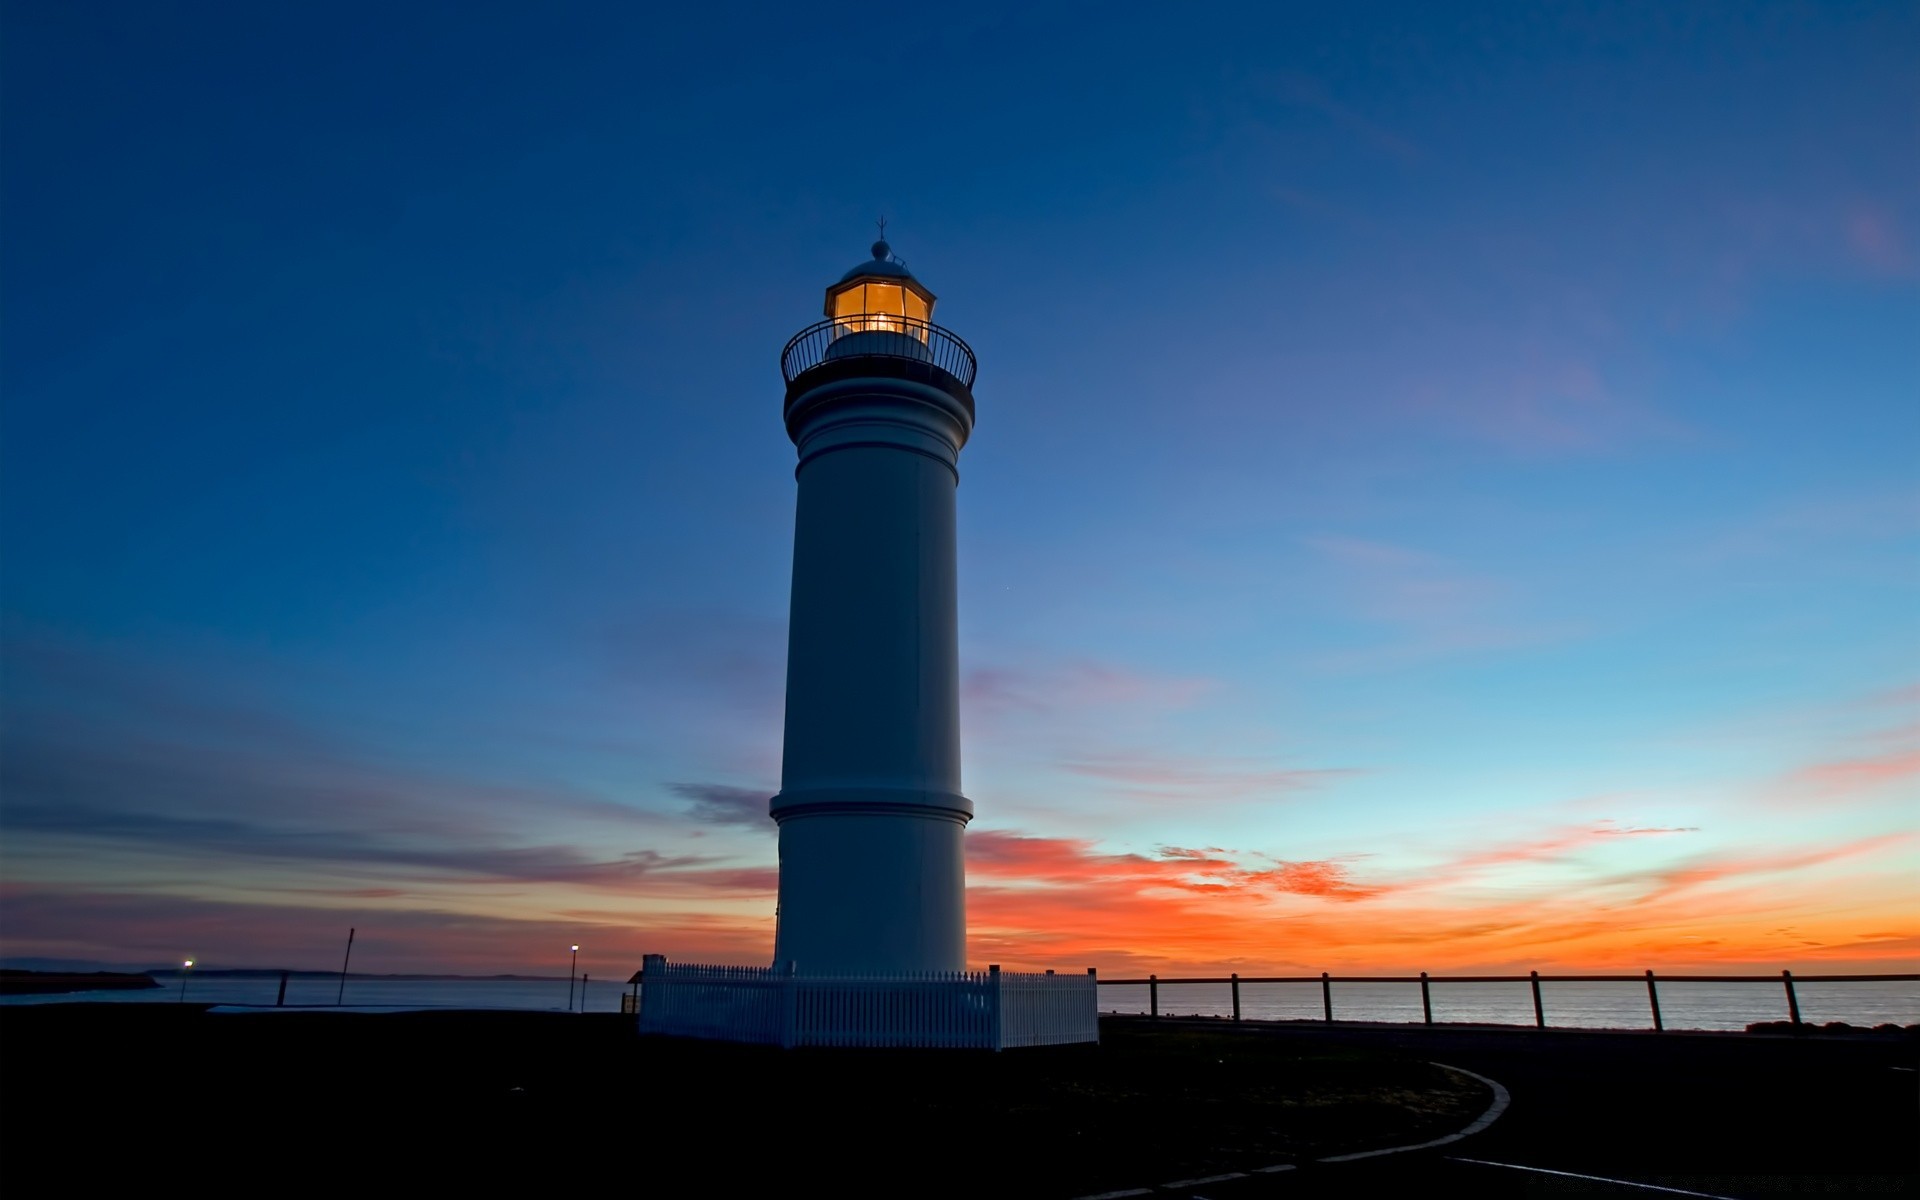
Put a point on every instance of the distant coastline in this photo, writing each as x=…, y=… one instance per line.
x=352, y=976
x=35, y=981
x=49, y=983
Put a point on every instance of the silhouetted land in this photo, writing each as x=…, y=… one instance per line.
x=49, y=983
x=1726, y=1114
x=570, y=1101
x=409, y=1101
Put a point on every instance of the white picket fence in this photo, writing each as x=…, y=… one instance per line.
x=991, y=1009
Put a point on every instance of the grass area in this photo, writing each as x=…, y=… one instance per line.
x=518, y=1096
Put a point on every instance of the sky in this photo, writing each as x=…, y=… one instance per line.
x=1446, y=492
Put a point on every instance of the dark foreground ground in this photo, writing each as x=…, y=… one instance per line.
x=168, y=1098
x=560, y=1101
x=1719, y=1114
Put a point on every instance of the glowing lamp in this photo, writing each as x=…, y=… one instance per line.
x=880, y=296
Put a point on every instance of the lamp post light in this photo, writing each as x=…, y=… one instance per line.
x=186, y=969
x=570, y=969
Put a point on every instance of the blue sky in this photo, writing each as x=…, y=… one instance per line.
x=1441, y=471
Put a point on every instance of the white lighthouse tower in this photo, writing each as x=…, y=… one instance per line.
x=871, y=946
x=879, y=403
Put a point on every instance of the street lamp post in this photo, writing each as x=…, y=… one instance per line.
x=570, y=969
x=340, y=997
x=186, y=969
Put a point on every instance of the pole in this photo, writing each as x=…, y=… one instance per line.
x=281, y=1000
x=999, y=1012
x=1153, y=996
x=1236, y=995
x=186, y=969
x=1539, y=1012
x=1653, y=1000
x=341, y=997
x=1326, y=995
x=790, y=1006
x=1426, y=999
x=570, y=967
x=583, y=992
x=1793, y=1001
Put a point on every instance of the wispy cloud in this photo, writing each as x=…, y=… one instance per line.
x=383, y=854
x=1040, y=899
x=1795, y=526
x=1551, y=847
x=1550, y=406
x=1075, y=686
x=1847, y=776
x=1006, y=855
x=92, y=726
x=1438, y=608
x=726, y=660
x=1331, y=880
x=118, y=773
x=1408, y=586
x=417, y=854
x=722, y=804
x=1907, y=696
x=151, y=928
x=1010, y=858
x=1876, y=241
x=1836, y=233
x=1113, y=725
x=1313, y=204
x=1656, y=885
x=1173, y=777
x=1314, y=95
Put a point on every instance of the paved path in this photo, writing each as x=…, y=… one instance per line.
x=1729, y=1115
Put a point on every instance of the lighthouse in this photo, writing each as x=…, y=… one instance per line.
x=870, y=945
x=879, y=403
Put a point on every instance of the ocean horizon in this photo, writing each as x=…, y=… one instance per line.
x=313, y=990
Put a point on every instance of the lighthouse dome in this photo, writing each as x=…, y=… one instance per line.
x=881, y=266
x=880, y=294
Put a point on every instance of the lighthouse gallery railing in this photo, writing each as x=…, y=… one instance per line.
x=989, y=1010
x=878, y=335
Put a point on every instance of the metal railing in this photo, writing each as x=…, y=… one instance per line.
x=877, y=335
x=1326, y=981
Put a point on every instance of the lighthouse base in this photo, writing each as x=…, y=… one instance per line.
x=868, y=888
x=982, y=1010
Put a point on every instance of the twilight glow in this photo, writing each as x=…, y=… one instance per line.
x=1446, y=492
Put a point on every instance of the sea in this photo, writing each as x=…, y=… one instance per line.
x=384, y=992
x=1718, y=1006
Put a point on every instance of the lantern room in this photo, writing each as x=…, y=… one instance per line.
x=880, y=296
